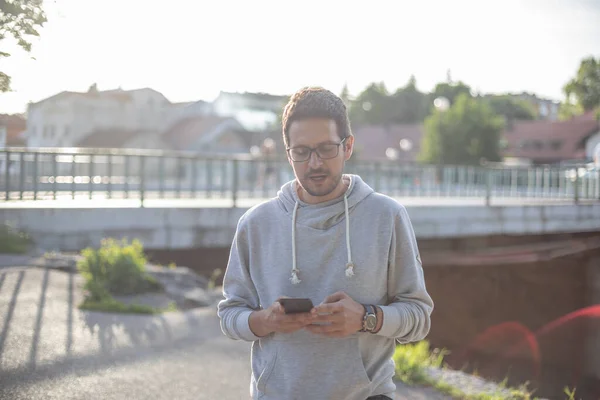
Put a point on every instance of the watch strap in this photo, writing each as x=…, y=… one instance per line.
x=369, y=310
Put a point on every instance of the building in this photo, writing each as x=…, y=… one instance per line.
x=550, y=142
x=545, y=109
x=11, y=130
x=65, y=119
x=395, y=142
x=255, y=111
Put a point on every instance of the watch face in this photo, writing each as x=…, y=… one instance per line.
x=371, y=322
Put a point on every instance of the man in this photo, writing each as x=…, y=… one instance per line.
x=329, y=237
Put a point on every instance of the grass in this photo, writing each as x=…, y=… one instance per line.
x=413, y=360
x=112, y=305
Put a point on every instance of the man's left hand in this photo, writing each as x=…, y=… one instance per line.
x=342, y=315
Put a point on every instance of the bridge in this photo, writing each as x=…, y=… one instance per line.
x=498, y=243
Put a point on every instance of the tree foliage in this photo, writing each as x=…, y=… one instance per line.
x=585, y=86
x=19, y=20
x=466, y=133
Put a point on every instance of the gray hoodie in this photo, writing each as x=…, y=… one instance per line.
x=361, y=243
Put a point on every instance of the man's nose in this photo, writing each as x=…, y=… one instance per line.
x=314, y=160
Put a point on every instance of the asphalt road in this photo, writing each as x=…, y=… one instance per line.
x=51, y=350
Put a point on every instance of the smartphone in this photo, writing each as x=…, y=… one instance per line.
x=296, y=305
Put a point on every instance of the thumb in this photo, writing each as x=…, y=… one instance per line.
x=334, y=297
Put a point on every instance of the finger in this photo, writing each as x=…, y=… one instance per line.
x=277, y=310
x=324, y=329
x=331, y=318
x=291, y=319
x=330, y=308
x=332, y=298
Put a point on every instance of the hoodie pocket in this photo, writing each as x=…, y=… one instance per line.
x=315, y=369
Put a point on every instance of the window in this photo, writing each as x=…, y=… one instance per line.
x=556, y=144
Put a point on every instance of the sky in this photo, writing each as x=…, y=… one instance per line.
x=192, y=49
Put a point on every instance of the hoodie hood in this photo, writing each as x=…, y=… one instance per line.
x=322, y=215
x=327, y=214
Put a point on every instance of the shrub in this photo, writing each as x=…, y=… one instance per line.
x=13, y=241
x=117, y=268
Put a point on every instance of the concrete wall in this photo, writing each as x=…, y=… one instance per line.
x=70, y=229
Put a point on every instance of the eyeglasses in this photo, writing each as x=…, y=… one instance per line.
x=325, y=151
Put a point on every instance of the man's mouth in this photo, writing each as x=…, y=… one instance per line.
x=317, y=177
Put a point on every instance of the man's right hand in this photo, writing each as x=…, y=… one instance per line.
x=275, y=320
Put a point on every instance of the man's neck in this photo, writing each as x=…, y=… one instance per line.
x=338, y=192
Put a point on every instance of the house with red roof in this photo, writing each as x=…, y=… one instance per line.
x=11, y=130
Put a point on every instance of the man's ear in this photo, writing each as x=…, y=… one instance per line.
x=348, y=147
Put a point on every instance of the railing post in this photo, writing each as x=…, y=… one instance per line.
x=576, y=183
x=73, y=172
x=35, y=176
x=21, y=175
x=179, y=176
x=126, y=183
x=597, y=184
x=488, y=186
x=55, y=175
x=109, y=173
x=142, y=183
x=193, y=175
x=235, y=182
x=378, y=176
x=7, y=176
x=91, y=171
x=161, y=176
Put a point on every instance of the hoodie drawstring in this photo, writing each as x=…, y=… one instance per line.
x=295, y=280
x=349, y=265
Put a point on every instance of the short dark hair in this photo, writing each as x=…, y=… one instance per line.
x=315, y=102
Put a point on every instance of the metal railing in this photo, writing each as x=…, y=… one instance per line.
x=56, y=174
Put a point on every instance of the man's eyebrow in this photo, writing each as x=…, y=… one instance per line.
x=319, y=144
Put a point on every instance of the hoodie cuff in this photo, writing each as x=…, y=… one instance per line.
x=394, y=322
x=242, y=326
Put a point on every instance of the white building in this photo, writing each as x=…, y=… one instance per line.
x=255, y=111
x=65, y=119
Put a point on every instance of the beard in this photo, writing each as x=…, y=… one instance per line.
x=319, y=187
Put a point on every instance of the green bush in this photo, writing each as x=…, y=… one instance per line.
x=116, y=268
x=13, y=241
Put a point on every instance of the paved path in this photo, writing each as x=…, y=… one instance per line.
x=51, y=350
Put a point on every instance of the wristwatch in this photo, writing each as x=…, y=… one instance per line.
x=369, y=319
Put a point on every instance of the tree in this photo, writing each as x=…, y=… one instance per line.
x=410, y=105
x=568, y=110
x=450, y=90
x=373, y=105
x=585, y=86
x=511, y=108
x=464, y=134
x=345, y=95
x=19, y=19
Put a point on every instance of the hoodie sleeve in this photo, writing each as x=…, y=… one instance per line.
x=407, y=316
x=240, y=296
